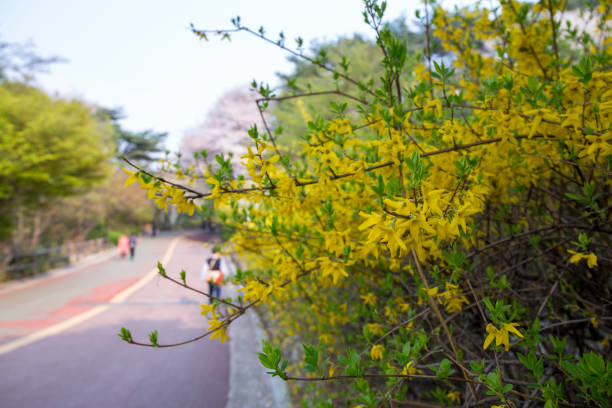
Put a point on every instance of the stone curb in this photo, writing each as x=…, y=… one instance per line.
x=250, y=386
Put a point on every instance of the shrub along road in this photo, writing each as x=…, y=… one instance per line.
x=59, y=343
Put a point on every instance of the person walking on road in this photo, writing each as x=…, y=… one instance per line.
x=132, y=246
x=211, y=271
x=123, y=245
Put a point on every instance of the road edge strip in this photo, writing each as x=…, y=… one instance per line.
x=56, y=273
x=80, y=318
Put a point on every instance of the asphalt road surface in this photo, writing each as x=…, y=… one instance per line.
x=59, y=345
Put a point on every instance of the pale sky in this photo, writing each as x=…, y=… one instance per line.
x=140, y=54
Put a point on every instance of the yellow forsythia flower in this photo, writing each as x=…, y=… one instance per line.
x=326, y=338
x=410, y=369
x=219, y=331
x=369, y=299
x=454, y=396
x=133, y=177
x=375, y=328
x=220, y=334
x=332, y=368
x=206, y=309
x=501, y=336
x=453, y=299
x=577, y=257
x=377, y=352
x=432, y=292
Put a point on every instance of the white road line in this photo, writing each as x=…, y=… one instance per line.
x=73, y=321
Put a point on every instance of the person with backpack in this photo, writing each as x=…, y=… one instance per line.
x=213, y=274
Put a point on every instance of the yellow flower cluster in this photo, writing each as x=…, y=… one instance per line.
x=162, y=193
x=376, y=220
x=218, y=329
x=376, y=353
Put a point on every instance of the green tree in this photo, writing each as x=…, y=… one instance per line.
x=142, y=146
x=50, y=148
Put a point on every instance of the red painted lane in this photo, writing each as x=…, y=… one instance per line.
x=89, y=366
x=36, y=302
x=75, y=306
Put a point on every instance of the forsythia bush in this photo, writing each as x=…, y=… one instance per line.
x=441, y=242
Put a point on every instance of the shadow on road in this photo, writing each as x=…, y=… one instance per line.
x=203, y=236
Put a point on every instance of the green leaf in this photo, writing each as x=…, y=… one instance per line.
x=444, y=370
x=160, y=269
x=270, y=358
x=153, y=338
x=125, y=335
x=478, y=368
x=579, y=198
x=351, y=363
x=311, y=358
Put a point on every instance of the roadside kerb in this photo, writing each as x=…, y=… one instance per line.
x=91, y=260
x=250, y=386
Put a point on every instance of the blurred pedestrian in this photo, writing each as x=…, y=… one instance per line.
x=123, y=245
x=132, y=246
x=213, y=274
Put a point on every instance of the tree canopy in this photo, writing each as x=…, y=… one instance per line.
x=50, y=147
x=142, y=146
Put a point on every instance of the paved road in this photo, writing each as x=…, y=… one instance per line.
x=85, y=364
